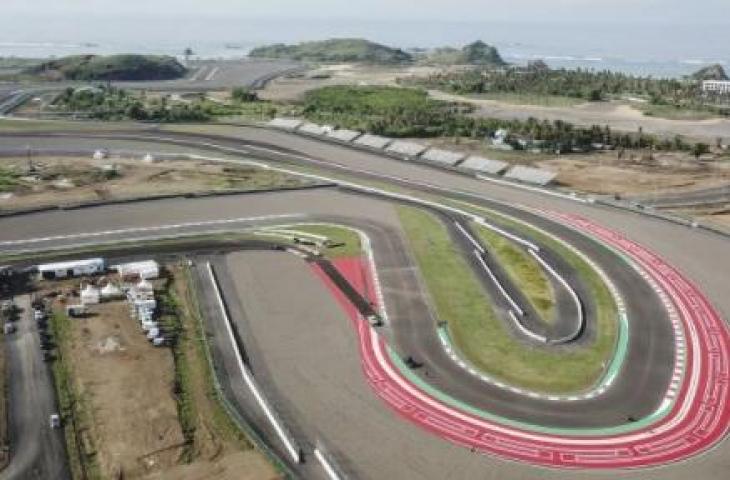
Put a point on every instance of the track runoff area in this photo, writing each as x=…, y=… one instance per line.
x=693, y=416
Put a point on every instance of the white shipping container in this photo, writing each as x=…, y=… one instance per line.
x=75, y=268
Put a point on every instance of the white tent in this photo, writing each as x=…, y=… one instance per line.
x=90, y=295
x=111, y=291
x=144, y=286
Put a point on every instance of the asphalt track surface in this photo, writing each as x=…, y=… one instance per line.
x=645, y=227
x=37, y=452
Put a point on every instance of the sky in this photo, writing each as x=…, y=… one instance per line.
x=670, y=11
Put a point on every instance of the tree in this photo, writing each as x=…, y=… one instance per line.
x=700, y=149
x=243, y=94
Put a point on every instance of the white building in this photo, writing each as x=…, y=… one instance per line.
x=74, y=268
x=716, y=86
x=144, y=270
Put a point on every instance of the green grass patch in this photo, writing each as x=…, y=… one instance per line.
x=74, y=408
x=225, y=427
x=482, y=338
x=524, y=271
x=182, y=383
x=8, y=180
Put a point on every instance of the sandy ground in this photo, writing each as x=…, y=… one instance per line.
x=291, y=88
x=75, y=180
x=618, y=116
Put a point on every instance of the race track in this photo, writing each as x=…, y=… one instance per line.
x=673, y=382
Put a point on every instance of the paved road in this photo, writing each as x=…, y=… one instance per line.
x=645, y=227
x=208, y=75
x=36, y=451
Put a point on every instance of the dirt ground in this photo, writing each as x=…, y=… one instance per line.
x=128, y=384
x=75, y=179
x=127, y=387
x=248, y=465
x=603, y=173
x=720, y=219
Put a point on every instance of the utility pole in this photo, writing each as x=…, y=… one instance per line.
x=29, y=155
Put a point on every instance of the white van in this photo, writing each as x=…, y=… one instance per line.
x=147, y=326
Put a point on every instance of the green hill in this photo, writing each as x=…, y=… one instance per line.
x=712, y=72
x=335, y=50
x=477, y=53
x=112, y=67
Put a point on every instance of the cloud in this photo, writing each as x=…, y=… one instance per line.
x=531, y=10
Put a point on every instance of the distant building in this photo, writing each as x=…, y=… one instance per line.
x=145, y=270
x=75, y=268
x=716, y=86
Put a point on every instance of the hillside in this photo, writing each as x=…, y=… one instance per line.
x=335, y=50
x=112, y=67
x=712, y=72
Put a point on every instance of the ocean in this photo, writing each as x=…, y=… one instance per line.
x=646, y=48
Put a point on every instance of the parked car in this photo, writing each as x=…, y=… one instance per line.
x=153, y=333
x=7, y=307
x=55, y=421
x=76, y=310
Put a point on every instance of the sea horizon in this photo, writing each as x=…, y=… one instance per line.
x=597, y=46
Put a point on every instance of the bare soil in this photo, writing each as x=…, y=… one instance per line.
x=73, y=179
x=636, y=173
x=128, y=384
